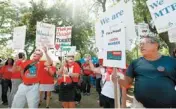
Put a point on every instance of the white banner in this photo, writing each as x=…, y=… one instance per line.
x=120, y=13
x=172, y=35
x=163, y=14
x=63, y=35
x=45, y=35
x=19, y=35
x=115, y=53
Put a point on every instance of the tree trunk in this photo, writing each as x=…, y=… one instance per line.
x=171, y=46
x=81, y=54
x=104, y=6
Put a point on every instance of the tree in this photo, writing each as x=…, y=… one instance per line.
x=8, y=17
x=29, y=17
x=59, y=14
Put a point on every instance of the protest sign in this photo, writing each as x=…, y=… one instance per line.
x=114, y=41
x=19, y=34
x=172, y=35
x=163, y=14
x=68, y=50
x=120, y=13
x=63, y=35
x=143, y=29
x=45, y=35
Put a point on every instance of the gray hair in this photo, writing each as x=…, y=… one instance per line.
x=152, y=40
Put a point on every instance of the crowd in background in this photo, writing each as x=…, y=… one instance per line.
x=29, y=80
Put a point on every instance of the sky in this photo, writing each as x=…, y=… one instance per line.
x=26, y=2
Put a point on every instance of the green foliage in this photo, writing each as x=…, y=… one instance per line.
x=5, y=52
x=141, y=12
x=8, y=17
x=59, y=14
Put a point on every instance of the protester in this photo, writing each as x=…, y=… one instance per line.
x=0, y=82
x=6, y=81
x=92, y=80
x=155, y=77
x=107, y=92
x=86, y=76
x=68, y=75
x=98, y=84
x=28, y=91
x=47, y=82
x=98, y=80
x=16, y=76
x=174, y=53
x=78, y=86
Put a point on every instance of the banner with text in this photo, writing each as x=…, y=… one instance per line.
x=120, y=13
x=19, y=35
x=45, y=35
x=163, y=14
x=143, y=29
x=63, y=36
x=114, y=41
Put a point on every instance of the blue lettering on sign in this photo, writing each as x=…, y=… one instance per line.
x=104, y=21
x=114, y=43
x=165, y=10
x=117, y=15
x=113, y=17
x=156, y=4
x=102, y=31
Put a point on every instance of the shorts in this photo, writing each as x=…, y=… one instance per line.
x=46, y=87
x=67, y=92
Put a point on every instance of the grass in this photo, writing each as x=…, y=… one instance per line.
x=86, y=101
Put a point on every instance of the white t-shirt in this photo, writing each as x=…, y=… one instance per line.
x=108, y=87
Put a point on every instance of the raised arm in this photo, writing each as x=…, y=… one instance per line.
x=48, y=58
x=93, y=69
x=51, y=70
x=128, y=79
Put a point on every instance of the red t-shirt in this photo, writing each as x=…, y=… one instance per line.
x=75, y=69
x=6, y=72
x=46, y=78
x=87, y=71
x=1, y=72
x=31, y=76
x=17, y=74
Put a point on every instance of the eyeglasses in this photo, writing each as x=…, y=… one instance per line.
x=145, y=43
x=37, y=54
x=38, y=50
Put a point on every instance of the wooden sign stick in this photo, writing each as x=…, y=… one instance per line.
x=116, y=92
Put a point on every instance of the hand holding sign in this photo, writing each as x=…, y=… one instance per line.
x=45, y=49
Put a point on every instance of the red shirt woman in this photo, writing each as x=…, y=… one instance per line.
x=68, y=75
x=6, y=72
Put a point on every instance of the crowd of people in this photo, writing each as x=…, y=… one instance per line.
x=154, y=76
